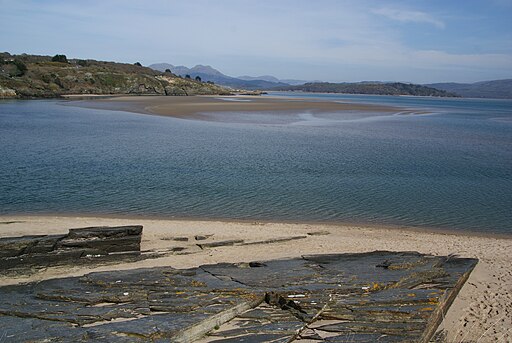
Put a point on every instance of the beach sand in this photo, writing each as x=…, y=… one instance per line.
x=482, y=312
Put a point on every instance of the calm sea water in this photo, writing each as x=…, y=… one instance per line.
x=451, y=169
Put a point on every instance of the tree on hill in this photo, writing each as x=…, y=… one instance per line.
x=187, y=76
x=137, y=64
x=198, y=78
x=168, y=71
x=60, y=58
x=22, y=68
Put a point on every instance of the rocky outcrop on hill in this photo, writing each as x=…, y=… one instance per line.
x=7, y=92
x=29, y=76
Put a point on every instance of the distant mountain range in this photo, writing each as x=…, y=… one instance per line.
x=207, y=73
x=377, y=88
x=44, y=76
x=271, y=78
x=497, y=89
x=485, y=89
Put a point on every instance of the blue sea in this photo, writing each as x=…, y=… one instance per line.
x=447, y=167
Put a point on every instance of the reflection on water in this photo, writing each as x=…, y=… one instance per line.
x=234, y=99
x=307, y=118
x=451, y=169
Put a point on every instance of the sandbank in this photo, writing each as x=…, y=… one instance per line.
x=197, y=107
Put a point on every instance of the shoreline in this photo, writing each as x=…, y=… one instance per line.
x=259, y=221
x=483, y=304
x=265, y=92
x=400, y=95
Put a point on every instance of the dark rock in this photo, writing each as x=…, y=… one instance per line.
x=361, y=302
x=201, y=237
x=344, y=297
x=106, y=239
x=220, y=243
x=23, y=254
x=174, y=249
x=319, y=233
x=384, y=264
x=276, y=240
x=180, y=239
x=105, y=232
x=15, y=246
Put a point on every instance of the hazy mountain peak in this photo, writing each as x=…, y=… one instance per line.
x=162, y=66
x=205, y=69
x=208, y=73
x=268, y=78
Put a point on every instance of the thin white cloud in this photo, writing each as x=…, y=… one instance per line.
x=334, y=42
x=407, y=16
x=442, y=59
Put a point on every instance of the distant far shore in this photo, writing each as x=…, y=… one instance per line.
x=484, y=299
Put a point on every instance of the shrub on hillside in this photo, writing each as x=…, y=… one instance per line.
x=60, y=58
x=22, y=68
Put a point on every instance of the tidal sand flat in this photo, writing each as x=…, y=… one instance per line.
x=481, y=311
x=205, y=107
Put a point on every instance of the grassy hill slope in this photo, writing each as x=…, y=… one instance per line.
x=378, y=88
x=497, y=89
x=27, y=76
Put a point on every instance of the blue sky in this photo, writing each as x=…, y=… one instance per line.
x=417, y=40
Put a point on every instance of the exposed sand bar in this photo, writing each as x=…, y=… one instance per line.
x=194, y=107
x=483, y=308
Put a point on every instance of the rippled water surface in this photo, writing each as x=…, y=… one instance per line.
x=450, y=169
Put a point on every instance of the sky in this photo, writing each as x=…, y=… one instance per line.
x=419, y=41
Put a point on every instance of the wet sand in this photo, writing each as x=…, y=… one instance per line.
x=197, y=107
x=481, y=312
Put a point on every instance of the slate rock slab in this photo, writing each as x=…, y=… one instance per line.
x=378, y=296
x=27, y=254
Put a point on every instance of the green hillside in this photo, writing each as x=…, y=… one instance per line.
x=30, y=76
x=495, y=89
x=377, y=88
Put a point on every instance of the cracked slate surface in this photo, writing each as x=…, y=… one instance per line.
x=28, y=254
x=378, y=296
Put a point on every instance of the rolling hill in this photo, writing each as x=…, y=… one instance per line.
x=497, y=89
x=377, y=88
x=29, y=76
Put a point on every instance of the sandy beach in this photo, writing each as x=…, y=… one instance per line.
x=481, y=312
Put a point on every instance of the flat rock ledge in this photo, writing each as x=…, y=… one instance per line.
x=379, y=296
x=26, y=254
